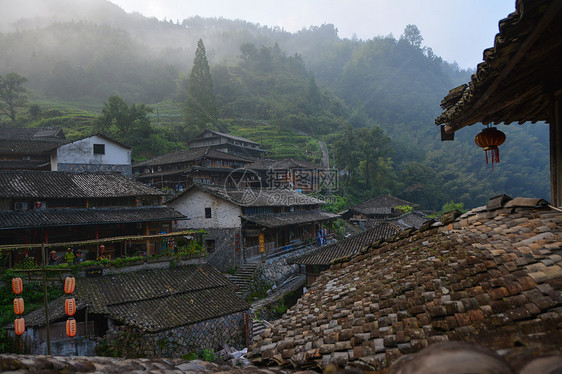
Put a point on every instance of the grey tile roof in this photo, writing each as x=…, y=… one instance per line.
x=30, y=147
x=189, y=155
x=24, y=165
x=282, y=164
x=153, y=300
x=250, y=197
x=412, y=219
x=32, y=133
x=61, y=185
x=347, y=247
x=289, y=218
x=234, y=137
x=381, y=204
x=493, y=277
x=10, y=219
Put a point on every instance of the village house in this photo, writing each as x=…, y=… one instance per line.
x=319, y=260
x=95, y=153
x=29, y=148
x=49, y=207
x=227, y=143
x=164, y=312
x=180, y=169
x=48, y=149
x=236, y=221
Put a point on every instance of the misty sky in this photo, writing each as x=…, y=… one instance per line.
x=457, y=30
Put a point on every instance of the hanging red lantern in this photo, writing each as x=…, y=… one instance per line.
x=19, y=326
x=69, y=284
x=490, y=139
x=17, y=285
x=71, y=327
x=70, y=306
x=18, y=305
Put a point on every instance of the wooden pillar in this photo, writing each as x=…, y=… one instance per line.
x=147, y=232
x=556, y=154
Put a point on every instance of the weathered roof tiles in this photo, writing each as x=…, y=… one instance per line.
x=493, y=277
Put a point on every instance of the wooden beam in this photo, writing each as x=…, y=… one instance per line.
x=556, y=154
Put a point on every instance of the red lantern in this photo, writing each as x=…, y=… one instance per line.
x=71, y=327
x=490, y=139
x=19, y=326
x=69, y=284
x=70, y=306
x=18, y=305
x=17, y=285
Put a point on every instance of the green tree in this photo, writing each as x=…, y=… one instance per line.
x=12, y=94
x=412, y=35
x=201, y=106
x=128, y=124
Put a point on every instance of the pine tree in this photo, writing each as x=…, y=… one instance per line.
x=201, y=106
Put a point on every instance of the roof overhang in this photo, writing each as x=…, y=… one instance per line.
x=520, y=75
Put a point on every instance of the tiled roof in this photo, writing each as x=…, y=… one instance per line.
x=24, y=165
x=30, y=147
x=283, y=164
x=10, y=219
x=249, y=197
x=189, y=155
x=234, y=137
x=290, y=218
x=153, y=300
x=61, y=185
x=509, y=85
x=348, y=247
x=32, y=133
x=412, y=219
x=492, y=277
x=381, y=204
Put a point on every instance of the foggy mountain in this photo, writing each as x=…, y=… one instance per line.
x=84, y=51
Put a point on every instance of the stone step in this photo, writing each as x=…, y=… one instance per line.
x=258, y=327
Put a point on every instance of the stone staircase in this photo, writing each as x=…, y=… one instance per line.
x=259, y=326
x=243, y=277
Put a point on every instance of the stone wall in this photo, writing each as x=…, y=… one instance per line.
x=126, y=170
x=277, y=270
x=178, y=342
x=224, y=256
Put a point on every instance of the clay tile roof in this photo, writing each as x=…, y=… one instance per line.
x=234, y=137
x=153, y=300
x=189, y=155
x=290, y=218
x=283, y=164
x=493, y=277
x=382, y=204
x=61, y=185
x=350, y=246
x=10, y=219
x=32, y=133
x=255, y=197
x=30, y=147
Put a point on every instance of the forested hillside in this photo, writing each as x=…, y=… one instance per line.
x=373, y=102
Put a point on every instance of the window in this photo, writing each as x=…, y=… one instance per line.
x=99, y=149
x=207, y=212
x=210, y=246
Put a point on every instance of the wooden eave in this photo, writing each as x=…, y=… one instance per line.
x=520, y=75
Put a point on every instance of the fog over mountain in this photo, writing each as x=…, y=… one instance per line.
x=381, y=95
